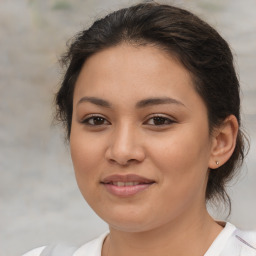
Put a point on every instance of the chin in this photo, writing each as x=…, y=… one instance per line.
x=130, y=222
x=129, y=226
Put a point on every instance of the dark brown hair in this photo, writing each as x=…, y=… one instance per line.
x=202, y=51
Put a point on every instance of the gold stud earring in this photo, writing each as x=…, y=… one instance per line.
x=217, y=162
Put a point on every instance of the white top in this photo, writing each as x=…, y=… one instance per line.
x=230, y=242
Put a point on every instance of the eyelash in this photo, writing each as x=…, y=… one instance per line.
x=156, y=118
x=87, y=120
x=160, y=118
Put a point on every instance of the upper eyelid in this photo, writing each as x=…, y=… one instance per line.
x=152, y=115
x=89, y=116
x=94, y=115
x=159, y=115
x=170, y=121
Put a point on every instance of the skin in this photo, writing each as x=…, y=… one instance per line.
x=176, y=152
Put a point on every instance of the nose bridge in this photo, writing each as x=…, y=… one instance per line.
x=123, y=137
x=125, y=144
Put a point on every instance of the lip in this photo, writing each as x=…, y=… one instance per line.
x=129, y=190
x=126, y=178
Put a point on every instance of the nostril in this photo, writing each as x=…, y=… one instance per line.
x=122, y=162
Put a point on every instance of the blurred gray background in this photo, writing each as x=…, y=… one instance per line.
x=39, y=200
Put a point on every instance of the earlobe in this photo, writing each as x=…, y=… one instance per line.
x=224, y=142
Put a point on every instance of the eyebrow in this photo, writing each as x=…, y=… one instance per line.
x=158, y=101
x=140, y=104
x=96, y=101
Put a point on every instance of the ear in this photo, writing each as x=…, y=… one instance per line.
x=223, y=142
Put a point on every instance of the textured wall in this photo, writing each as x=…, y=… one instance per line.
x=40, y=202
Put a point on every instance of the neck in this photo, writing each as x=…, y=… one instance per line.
x=191, y=237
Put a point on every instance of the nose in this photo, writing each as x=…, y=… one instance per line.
x=125, y=146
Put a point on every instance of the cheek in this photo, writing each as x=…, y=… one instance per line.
x=86, y=148
x=182, y=157
x=82, y=155
x=87, y=155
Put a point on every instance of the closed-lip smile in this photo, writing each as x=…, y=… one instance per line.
x=126, y=185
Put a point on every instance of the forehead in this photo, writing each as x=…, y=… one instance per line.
x=125, y=57
x=132, y=73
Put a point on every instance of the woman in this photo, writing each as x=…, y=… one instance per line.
x=150, y=101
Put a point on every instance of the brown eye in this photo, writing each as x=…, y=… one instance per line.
x=96, y=121
x=159, y=120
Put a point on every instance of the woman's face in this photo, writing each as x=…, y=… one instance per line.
x=139, y=140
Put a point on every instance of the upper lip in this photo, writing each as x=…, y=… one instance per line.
x=126, y=178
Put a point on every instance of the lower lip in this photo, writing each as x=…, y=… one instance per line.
x=126, y=191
